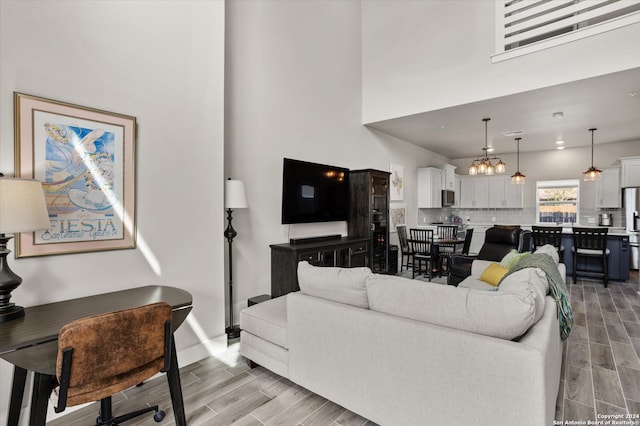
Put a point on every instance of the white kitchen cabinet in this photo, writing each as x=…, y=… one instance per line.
x=449, y=177
x=630, y=172
x=474, y=192
x=608, y=188
x=429, y=188
x=503, y=194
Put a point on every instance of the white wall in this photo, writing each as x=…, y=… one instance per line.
x=293, y=90
x=425, y=55
x=162, y=62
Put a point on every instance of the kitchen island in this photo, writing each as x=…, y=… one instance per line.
x=618, y=245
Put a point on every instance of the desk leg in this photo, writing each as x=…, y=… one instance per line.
x=42, y=387
x=17, y=393
x=175, y=388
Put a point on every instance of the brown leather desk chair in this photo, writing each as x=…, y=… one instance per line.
x=101, y=355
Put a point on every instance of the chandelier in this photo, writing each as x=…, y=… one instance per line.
x=483, y=165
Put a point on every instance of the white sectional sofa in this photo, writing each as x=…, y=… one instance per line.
x=407, y=352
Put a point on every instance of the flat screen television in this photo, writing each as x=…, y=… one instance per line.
x=314, y=192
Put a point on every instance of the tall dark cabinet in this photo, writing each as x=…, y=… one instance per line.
x=369, y=214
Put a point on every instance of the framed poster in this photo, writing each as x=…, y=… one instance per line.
x=84, y=158
x=397, y=182
x=397, y=215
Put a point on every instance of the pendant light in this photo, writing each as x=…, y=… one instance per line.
x=483, y=165
x=518, y=178
x=592, y=173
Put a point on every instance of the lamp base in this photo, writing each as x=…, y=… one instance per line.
x=14, y=312
x=233, y=332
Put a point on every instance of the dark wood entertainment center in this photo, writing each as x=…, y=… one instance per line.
x=366, y=245
x=346, y=252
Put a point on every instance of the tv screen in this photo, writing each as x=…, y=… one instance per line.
x=314, y=192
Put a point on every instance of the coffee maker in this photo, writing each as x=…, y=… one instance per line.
x=605, y=219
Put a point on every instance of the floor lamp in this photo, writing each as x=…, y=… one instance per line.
x=234, y=198
x=22, y=209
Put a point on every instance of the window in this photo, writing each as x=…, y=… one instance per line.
x=558, y=201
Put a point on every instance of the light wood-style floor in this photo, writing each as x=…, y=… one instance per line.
x=600, y=375
x=224, y=391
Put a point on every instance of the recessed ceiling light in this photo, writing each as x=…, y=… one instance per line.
x=558, y=115
x=490, y=149
x=514, y=133
x=632, y=93
x=560, y=147
x=559, y=142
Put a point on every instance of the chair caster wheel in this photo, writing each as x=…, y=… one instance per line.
x=159, y=416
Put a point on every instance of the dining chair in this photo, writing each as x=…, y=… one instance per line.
x=445, y=250
x=590, y=243
x=542, y=235
x=102, y=355
x=421, y=243
x=466, y=246
x=406, y=253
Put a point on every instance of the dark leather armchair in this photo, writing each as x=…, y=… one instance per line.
x=498, y=241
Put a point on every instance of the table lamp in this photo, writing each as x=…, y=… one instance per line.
x=234, y=198
x=22, y=209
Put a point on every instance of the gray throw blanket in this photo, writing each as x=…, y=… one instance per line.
x=557, y=287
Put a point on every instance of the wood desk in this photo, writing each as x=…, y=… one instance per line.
x=30, y=343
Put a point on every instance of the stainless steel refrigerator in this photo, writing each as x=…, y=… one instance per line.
x=632, y=209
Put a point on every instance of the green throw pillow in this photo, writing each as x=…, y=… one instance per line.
x=513, y=257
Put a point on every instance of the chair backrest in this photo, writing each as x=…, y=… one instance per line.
x=447, y=232
x=498, y=241
x=421, y=240
x=101, y=355
x=402, y=237
x=467, y=241
x=590, y=238
x=542, y=235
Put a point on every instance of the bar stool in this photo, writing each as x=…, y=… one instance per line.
x=552, y=235
x=590, y=243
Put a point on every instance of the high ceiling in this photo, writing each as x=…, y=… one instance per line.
x=610, y=103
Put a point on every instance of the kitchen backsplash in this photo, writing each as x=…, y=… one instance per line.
x=525, y=216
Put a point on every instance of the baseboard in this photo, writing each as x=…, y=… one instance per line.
x=202, y=350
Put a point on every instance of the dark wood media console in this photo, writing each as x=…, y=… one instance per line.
x=346, y=252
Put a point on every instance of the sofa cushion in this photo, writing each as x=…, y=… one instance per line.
x=476, y=284
x=343, y=285
x=528, y=283
x=504, y=314
x=267, y=320
x=493, y=274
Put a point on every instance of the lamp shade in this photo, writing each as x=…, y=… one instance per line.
x=22, y=206
x=234, y=195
